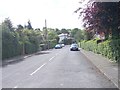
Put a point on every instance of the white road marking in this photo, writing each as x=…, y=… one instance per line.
x=51, y=58
x=38, y=69
x=16, y=87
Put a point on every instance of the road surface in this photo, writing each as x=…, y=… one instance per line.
x=56, y=68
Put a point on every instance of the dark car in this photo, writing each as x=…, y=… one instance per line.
x=58, y=46
x=74, y=47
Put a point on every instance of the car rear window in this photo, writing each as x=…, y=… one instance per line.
x=75, y=45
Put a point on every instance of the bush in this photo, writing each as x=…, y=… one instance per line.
x=18, y=41
x=115, y=48
x=10, y=45
x=108, y=48
x=30, y=48
x=53, y=43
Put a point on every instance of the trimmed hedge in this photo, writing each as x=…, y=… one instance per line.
x=108, y=48
x=18, y=41
x=10, y=45
x=31, y=48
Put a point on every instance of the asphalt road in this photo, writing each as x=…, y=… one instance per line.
x=56, y=68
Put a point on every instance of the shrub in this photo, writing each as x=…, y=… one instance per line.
x=108, y=48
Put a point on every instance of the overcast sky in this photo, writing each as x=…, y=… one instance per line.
x=58, y=13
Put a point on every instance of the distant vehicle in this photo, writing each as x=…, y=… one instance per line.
x=62, y=45
x=74, y=47
x=58, y=46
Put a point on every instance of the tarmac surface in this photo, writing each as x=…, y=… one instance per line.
x=59, y=68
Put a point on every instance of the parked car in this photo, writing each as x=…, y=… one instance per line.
x=74, y=47
x=62, y=45
x=58, y=46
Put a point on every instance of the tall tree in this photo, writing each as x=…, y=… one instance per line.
x=63, y=30
x=20, y=27
x=7, y=24
x=101, y=17
x=57, y=31
x=29, y=26
x=74, y=31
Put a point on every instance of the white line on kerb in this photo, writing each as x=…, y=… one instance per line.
x=51, y=58
x=38, y=69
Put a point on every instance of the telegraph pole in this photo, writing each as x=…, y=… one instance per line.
x=45, y=30
x=46, y=34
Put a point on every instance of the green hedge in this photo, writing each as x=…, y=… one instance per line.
x=18, y=41
x=108, y=48
x=10, y=45
x=31, y=48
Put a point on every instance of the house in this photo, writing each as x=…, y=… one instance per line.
x=62, y=36
x=100, y=35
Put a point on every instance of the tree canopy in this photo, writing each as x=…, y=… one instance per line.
x=101, y=17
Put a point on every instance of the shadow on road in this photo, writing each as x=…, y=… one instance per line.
x=41, y=53
x=20, y=59
x=5, y=63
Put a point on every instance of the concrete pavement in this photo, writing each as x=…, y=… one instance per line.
x=108, y=68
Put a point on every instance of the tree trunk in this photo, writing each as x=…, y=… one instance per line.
x=23, y=49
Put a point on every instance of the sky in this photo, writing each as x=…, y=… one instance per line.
x=58, y=13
